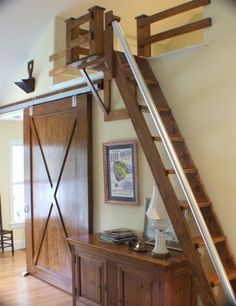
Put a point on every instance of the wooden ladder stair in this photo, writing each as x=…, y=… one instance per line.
x=127, y=86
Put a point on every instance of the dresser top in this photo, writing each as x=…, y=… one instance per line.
x=93, y=242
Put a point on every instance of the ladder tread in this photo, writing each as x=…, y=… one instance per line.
x=201, y=204
x=199, y=242
x=129, y=74
x=214, y=279
x=147, y=81
x=163, y=109
x=186, y=171
x=172, y=138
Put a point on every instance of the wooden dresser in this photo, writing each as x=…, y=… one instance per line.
x=111, y=275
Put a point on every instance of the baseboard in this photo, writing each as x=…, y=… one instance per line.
x=19, y=244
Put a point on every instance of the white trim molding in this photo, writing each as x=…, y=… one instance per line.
x=78, y=81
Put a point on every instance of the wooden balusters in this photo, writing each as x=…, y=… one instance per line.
x=81, y=41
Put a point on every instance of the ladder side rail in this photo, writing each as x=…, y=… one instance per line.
x=177, y=167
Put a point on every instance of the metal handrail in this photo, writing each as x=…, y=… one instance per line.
x=215, y=258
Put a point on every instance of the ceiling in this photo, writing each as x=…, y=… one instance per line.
x=22, y=22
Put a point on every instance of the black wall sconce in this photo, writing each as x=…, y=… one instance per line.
x=28, y=85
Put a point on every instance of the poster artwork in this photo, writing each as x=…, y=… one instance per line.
x=121, y=173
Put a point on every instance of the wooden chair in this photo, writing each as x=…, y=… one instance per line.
x=6, y=236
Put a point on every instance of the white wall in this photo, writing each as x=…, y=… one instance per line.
x=40, y=54
x=107, y=216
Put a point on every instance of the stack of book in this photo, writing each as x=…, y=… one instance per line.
x=118, y=236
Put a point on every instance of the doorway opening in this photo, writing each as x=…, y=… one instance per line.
x=12, y=175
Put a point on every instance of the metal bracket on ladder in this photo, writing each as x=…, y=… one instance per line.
x=74, y=101
x=31, y=111
x=94, y=91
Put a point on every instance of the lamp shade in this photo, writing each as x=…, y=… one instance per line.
x=156, y=209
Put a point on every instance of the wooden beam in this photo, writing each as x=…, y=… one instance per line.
x=72, y=22
x=80, y=40
x=117, y=114
x=83, y=32
x=57, y=56
x=69, y=37
x=194, y=26
x=89, y=62
x=214, y=279
x=62, y=54
x=147, y=20
x=142, y=33
x=107, y=91
x=109, y=43
x=60, y=70
x=94, y=91
x=96, y=27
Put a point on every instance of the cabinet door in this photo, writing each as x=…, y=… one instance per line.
x=137, y=287
x=182, y=288
x=90, y=280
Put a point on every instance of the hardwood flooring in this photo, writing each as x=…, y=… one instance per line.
x=16, y=290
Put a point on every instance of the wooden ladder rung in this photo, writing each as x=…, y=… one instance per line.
x=185, y=205
x=129, y=74
x=161, y=109
x=172, y=138
x=147, y=81
x=214, y=279
x=199, y=242
x=186, y=171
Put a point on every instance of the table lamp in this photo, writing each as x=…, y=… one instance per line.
x=158, y=214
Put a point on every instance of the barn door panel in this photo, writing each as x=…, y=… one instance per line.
x=57, y=151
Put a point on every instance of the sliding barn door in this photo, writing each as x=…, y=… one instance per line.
x=57, y=139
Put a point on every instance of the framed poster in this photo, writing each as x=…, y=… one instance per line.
x=120, y=172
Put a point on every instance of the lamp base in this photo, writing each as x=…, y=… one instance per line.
x=160, y=250
x=160, y=256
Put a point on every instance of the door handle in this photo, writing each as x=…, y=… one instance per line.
x=26, y=208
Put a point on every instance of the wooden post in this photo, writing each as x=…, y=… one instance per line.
x=109, y=42
x=96, y=27
x=143, y=32
x=68, y=40
x=107, y=92
x=72, y=53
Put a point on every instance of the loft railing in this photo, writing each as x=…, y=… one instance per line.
x=144, y=22
x=85, y=35
x=84, y=41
